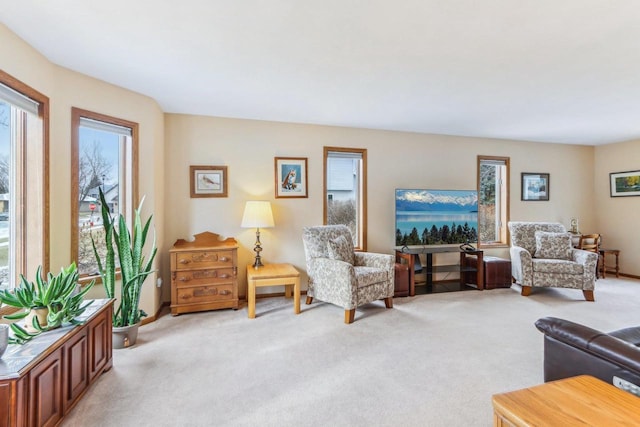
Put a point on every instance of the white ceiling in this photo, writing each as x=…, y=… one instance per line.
x=563, y=71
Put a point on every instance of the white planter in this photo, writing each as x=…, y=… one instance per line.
x=125, y=336
x=41, y=314
x=4, y=338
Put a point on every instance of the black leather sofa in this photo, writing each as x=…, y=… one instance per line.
x=572, y=349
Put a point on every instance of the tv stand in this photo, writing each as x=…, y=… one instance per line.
x=409, y=254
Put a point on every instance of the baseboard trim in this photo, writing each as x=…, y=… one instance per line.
x=153, y=318
x=631, y=276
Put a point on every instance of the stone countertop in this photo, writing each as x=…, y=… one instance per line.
x=17, y=357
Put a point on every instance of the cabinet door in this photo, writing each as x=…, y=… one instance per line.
x=45, y=391
x=99, y=344
x=76, y=377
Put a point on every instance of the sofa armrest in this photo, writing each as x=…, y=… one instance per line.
x=599, y=345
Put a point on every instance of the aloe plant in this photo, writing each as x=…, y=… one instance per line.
x=134, y=268
x=57, y=294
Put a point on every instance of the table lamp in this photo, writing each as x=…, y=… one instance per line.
x=257, y=213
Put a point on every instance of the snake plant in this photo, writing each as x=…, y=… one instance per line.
x=57, y=294
x=134, y=269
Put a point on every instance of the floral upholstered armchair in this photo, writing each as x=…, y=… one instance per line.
x=340, y=276
x=542, y=255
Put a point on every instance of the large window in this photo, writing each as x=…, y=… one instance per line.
x=23, y=180
x=345, y=189
x=493, y=200
x=104, y=157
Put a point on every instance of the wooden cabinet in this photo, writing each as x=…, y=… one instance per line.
x=42, y=380
x=204, y=274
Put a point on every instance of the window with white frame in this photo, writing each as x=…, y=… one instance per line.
x=23, y=181
x=104, y=160
x=493, y=200
x=345, y=183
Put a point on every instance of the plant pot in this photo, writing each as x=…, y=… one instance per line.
x=125, y=336
x=41, y=313
x=4, y=338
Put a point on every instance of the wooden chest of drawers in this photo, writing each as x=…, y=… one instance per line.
x=204, y=274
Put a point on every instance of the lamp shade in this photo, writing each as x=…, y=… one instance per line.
x=257, y=214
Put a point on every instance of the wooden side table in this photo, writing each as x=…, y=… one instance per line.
x=273, y=275
x=616, y=268
x=582, y=400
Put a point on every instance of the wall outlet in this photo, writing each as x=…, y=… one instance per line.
x=159, y=282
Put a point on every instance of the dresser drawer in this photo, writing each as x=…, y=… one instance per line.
x=210, y=293
x=203, y=259
x=203, y=277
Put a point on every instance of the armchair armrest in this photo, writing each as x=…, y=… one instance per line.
x=585, y=257
x=521, y=265
x=371, y=259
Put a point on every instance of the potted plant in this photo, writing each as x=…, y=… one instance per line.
x=47, y=304
x=134, y=269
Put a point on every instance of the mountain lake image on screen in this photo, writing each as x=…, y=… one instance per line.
x=436, y=217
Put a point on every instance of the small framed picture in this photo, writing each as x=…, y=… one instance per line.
x=535, y=186
x=291, y=177
x=208, y=181
x=624, y=184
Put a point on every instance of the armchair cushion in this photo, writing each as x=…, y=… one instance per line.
x=557, y=266
x=340, y=249
x=553, y=245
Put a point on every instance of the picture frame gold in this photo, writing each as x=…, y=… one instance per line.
x=208, y=181
x=291, y=177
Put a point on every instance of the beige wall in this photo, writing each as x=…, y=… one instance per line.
x=169, y=143
x=617, y=217
x=66, y=89
x=395, y=160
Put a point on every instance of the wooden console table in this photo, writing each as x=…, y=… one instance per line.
x=407, y=255
x=41, y=381
x=582, y=400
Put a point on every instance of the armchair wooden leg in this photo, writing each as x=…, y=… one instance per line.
x=349, y=315
x=309, y=300
x=388, y=302
x=526, y=291
x=588, y=295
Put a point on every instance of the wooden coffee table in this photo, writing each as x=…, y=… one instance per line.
x=582, y=400
x=273, y=275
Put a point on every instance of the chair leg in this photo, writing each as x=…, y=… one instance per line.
x=526, y=291
x=349, y=315
x=588, y=295
x=388, y=302
x=309, y=300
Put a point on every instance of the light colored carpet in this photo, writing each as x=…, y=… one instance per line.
x=433, y=360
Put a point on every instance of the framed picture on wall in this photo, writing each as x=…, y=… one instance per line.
x=291, y=177
x=535, y=186
x=624, y=184
x=208, y=181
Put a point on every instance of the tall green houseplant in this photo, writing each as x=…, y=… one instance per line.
x=134, y=269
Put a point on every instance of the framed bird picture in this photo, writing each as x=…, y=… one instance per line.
x=208, y=181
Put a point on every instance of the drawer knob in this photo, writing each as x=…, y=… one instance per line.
x=184, y=279
x=184, y=261
x=224, y=259
x=224, y=275
x=225, y=292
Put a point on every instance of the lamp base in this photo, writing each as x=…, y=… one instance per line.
x=257, y=249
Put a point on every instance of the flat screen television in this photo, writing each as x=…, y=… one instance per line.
x=436, y=217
